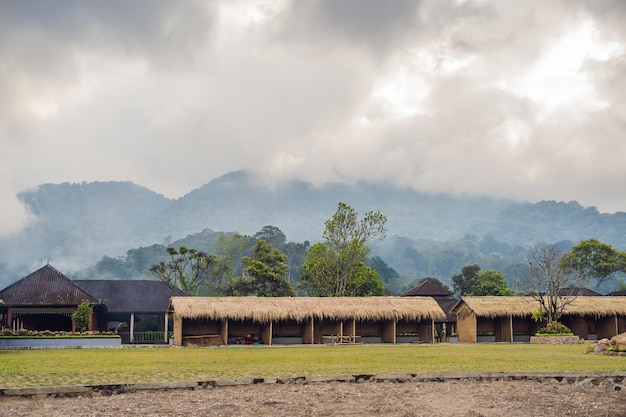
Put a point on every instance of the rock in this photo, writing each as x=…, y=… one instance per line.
x=619, y=342
x=601, y=346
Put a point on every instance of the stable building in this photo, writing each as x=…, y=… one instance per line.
x=202, y=321
x=509, y=319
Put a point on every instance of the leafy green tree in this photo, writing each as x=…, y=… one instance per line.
x=331, y=269
x=228, y=266
x=188, y=269
x=594, y=260
x=367, y=282
x=264, y=274
x=81, y=316
x=272, y=235
x=464, y=282
x=490, y=282
x=296, y=254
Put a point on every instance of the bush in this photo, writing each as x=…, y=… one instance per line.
x=80, y=318
x=555, y=329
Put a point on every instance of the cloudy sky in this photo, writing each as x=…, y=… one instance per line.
x=522, y=99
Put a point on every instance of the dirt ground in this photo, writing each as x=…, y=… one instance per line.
x=409, y=399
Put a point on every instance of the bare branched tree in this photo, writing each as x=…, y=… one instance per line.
x=548, y=281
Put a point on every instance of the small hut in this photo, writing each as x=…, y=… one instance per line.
x=509, y=319
x=307, y=320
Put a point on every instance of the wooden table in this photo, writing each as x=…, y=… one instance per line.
x=349, y=339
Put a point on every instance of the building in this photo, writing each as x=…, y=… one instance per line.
x=432, y=287
x=303, y=320
x=136, y=309
x=47, y=299
x=509, y=319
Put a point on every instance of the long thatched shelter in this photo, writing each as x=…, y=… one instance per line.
x=308, y=320
x=508, y=319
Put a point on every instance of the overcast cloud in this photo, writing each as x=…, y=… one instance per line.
x=523, y=100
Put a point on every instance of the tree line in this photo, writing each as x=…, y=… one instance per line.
x=335, y=267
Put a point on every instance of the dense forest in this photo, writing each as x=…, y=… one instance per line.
x=119, y=229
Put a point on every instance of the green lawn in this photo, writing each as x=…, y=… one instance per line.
x=29, y=368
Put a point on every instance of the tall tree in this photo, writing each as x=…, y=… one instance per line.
x=549, y=281
x=264, y=274
x=331, y=269
x=463, y=282
x=272, y=235
x=490, y=282
x=228, y=253
x=594, y=260
x=187, y=269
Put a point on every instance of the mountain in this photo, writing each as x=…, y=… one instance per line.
x=77, y=224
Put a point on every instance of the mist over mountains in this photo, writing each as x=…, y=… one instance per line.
x=75, y=225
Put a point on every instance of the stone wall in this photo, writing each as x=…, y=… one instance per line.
x=556, y=340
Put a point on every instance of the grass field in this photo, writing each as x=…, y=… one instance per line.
x=30, y=368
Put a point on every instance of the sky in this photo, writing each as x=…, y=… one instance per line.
x=514, y=99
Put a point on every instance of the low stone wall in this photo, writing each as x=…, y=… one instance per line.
x=43, y=342
x=615, y=381
x=556, y=340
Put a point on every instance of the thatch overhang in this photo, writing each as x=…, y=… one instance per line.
x=492, y=306
x=299, y=309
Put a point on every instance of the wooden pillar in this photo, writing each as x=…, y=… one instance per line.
x=178, y=330
x=132, y=327
x=308, y=331
x=224, y=331
x=267, y=334
x=165, y=326
x=388, y=331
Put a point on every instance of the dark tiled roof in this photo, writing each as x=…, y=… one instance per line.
x=577, y=291
x=429, y=287
x=131, y=296
x=44, y=287
x=447, y=304
x=617, y=293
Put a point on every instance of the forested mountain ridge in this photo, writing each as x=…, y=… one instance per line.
x=77, y=224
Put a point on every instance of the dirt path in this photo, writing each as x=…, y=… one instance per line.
x=410, y=399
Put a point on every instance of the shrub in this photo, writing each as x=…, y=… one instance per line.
x=81, y=317
x=555, y=329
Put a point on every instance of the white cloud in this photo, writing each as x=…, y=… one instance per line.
x=522, y=100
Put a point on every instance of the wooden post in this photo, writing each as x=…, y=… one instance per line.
x=178, y=330
x=132, y=327
x=166, y=324
x=224, y=331
x=308, y=331
x=267, y=334
x=388, y=333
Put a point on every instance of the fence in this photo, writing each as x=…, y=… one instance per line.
x=145, y=337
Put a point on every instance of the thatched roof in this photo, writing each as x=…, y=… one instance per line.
x=266, y=309
x=491, y=307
